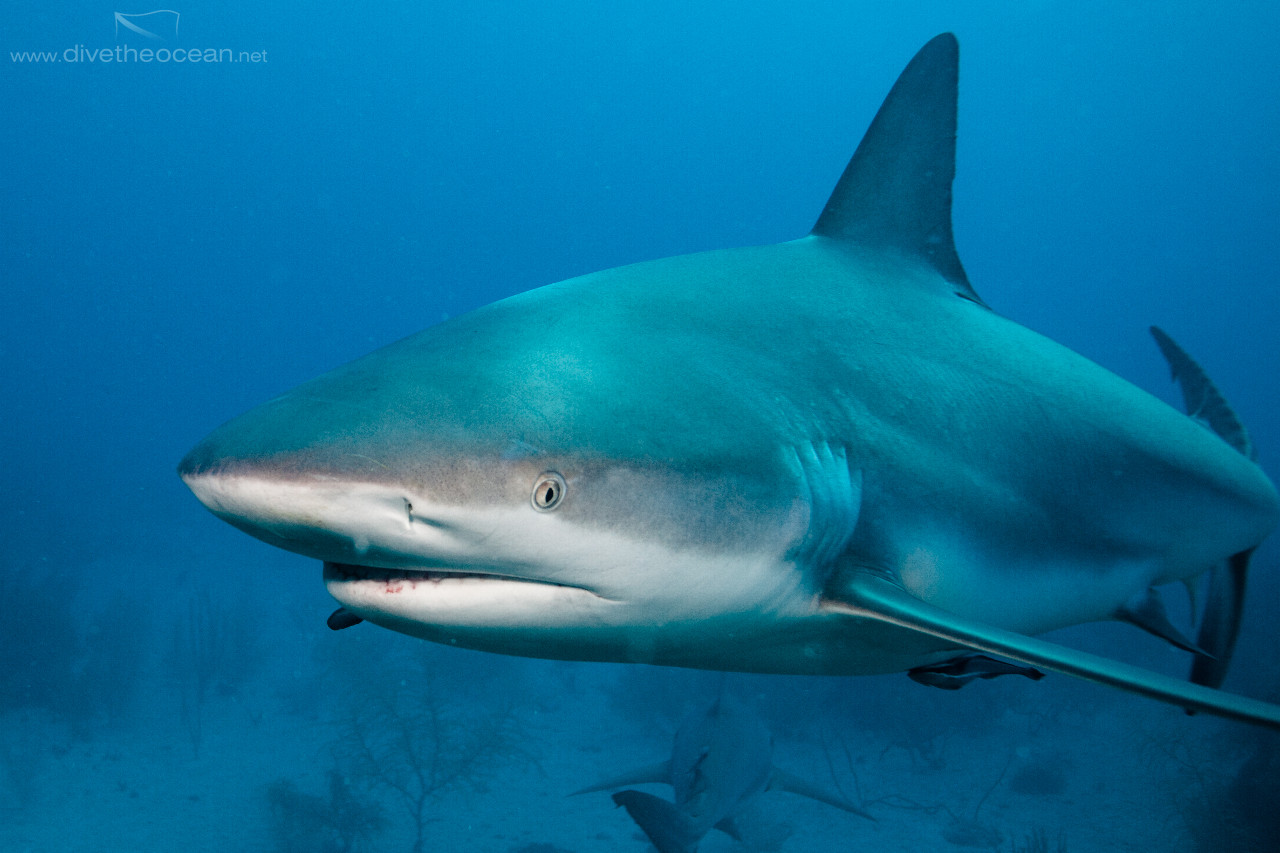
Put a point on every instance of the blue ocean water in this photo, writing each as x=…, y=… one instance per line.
x=181, y=241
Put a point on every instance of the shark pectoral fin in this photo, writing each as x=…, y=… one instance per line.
x=957, y=672
x=1220, y=624
x=729, y=828
x=1147, y=612
x=872, y=596
x=655, y=773
x=780, y=780
x=670, y=830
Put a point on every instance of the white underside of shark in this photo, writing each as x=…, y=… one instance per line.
x=823, y=456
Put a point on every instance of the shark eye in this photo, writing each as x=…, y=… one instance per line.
x=548, y=491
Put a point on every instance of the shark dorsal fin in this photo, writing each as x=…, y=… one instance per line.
x=895, y=194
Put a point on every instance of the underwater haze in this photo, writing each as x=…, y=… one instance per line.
x=182, y=240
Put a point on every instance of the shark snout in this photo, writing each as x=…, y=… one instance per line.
x=324, y=517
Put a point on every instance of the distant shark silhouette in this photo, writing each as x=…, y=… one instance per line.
x=825, y=456
x=721, y=760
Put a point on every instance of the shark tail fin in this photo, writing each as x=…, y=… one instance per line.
x=670, y=830
x=1202, y=398
x=1220, y=624
x=1224, y=606
x=895, y=194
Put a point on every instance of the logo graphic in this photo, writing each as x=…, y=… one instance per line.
x=160, y=25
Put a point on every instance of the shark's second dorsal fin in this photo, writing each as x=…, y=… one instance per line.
x=895, y=194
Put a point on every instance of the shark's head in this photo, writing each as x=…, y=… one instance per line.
x=505, y=482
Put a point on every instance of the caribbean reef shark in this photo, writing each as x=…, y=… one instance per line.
x=825, y=456
x=721, y=760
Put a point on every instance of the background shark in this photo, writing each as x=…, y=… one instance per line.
x=822, y=456
x=721, y=760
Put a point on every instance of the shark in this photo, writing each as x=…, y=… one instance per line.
x=721, y=761
x=823, y=456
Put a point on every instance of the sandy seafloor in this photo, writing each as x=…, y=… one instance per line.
x=1092, y=769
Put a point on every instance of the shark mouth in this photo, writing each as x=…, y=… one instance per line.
x=372, y=589
x=396, y=578
x=350, y=572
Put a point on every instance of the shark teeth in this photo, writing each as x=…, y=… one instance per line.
x=353, y=572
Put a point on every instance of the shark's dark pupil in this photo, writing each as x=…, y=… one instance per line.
x=548, y=491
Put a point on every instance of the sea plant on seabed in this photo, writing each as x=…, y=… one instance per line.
x=962, y=832
x=214, y=652
x=410, y=741
x=199, y=652
x=970, y=831
x=338, y=822
x=1037, y=841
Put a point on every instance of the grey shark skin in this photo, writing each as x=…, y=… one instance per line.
x=824, y=456
x=721, y=760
